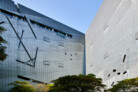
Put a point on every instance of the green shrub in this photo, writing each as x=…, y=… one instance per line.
x=20, y=86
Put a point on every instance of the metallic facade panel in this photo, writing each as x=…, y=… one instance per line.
x=49, y=55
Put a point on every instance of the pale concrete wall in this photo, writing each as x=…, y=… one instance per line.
x=111, y=35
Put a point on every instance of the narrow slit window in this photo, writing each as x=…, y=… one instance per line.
x=22, y=77
x=124, y=72
x=108, y=75
x=112, y=83
x=2, y=22
x=106, y=27
x=124, y=58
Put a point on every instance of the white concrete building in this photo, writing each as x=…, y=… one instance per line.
x=112, y=41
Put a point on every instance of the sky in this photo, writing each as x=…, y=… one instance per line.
x=77, y=14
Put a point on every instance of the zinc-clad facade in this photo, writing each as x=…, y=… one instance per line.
x=39, y=48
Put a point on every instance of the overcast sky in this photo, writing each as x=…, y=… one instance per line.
x=77, y=14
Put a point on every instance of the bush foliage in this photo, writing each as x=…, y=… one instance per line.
x=127, y=85
x=81, y=83
x=3, y=55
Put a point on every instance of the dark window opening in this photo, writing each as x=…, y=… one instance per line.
x=70, y=36
x=36, y=81
x=108, y=75
x=118, y=73
x=114, y=70
x=125, y=72
x=70, y=54
x=46, y=39
x=65, y=53
x=61, y=34
x=124, y=58
x=60, y=65
x=2, y=22
x=75, y=53
x=22, y=77
x=10, y=14
x=46, y=62
x=70, y=59
x=112, y=83
x=61, y=44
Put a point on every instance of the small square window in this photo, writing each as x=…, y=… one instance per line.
x=61, y=44
x=46, y=39
x=46, y=62
x=118, y=73
x=114, y=70
x=60, y=65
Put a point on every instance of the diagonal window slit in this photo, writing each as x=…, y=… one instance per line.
x=124, y=58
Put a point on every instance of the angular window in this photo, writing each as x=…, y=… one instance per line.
x=125, y=72
x=124, y=58
x=2, y=22
x=112, y=83
x=118, y=73
x=46, y=39
x=106, y=27
x=105, y=55
x=46, y=62
x=108, y=75
x=61, y=44
x=60, y=65
x=114, y=70
x=55, y=31
x=61, y=34
x=69, y=36
x=22, y=77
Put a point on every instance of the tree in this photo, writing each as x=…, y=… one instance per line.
x=3, y=55
x=80, y=83
x=127, y=85
x=43, y=87
x=20, y=86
